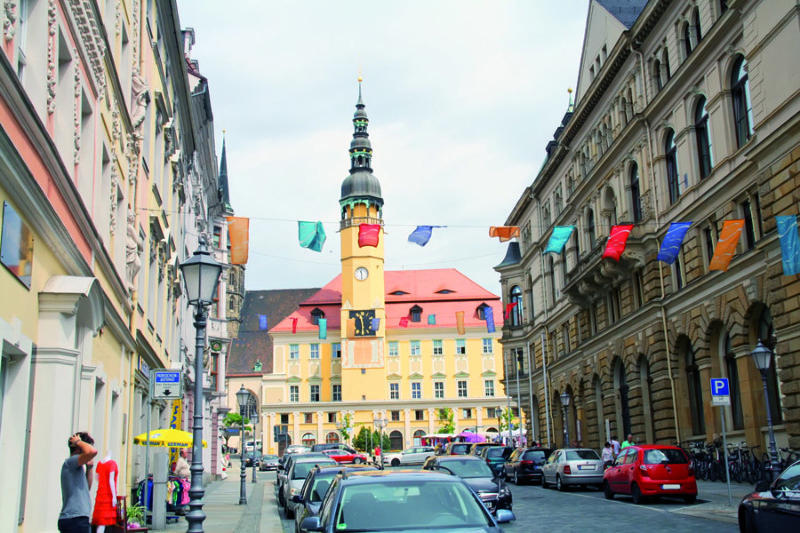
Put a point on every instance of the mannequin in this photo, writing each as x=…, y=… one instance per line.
x=105, y=512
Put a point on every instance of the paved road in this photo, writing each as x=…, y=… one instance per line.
x=581, y=510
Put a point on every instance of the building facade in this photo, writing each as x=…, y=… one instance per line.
x=684, y=112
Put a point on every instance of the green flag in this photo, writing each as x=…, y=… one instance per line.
x=311, y=235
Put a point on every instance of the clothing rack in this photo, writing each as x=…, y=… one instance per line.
x=177, y=496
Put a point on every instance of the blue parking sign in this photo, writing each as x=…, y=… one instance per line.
x=719, y=387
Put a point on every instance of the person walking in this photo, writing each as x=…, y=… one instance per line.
x=76, y=506
x=627, y=442
x=608, y=454
x=615, y=444
x=182, y=465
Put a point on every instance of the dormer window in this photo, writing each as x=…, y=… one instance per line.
x=398, y=293
x=482, y=311
x=316, y=314
x=416, y=314
x=445, y=291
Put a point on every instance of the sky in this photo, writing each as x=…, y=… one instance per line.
x=462, y=97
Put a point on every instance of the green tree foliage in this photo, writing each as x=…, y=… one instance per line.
x=233, y=420
x=446, y=420
x=506, y=420
x=366, y=440
x=346, y=427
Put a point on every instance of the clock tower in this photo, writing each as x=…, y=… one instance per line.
x=363, y=296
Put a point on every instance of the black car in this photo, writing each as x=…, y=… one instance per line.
x=773, y=507
x=491, y=489
x=457, y=448
x=476, y=447
x=400, y=500
x=525, y=464
x=496, y=457
x=250, y=458
x=315, y=487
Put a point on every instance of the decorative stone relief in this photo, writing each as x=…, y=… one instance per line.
x=92, y=41
x=9, y=29
x=77, y=110
x=51, y=59
x=139, y=101
x=117, y=18
x=133, y=252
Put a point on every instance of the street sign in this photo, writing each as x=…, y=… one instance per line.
x=720, y=392
x=167, y=384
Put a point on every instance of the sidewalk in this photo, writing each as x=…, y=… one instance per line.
x=225, y=515
x=715, y=497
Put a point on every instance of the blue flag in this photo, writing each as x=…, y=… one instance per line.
x=672, y=242
x=311, y=235
x=376, y=324
x=262, y=322
x=323, y=328
x=488, y=312
x=422, y=234
x=790, y=244
x=558, y=239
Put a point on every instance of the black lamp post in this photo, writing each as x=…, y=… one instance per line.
x=255, y=448
x=761, y=357
x=565, y=404
x=200, y=276
x=242, y=395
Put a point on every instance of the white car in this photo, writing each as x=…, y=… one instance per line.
x=410, y=456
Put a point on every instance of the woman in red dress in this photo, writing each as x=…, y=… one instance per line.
x=105, y=503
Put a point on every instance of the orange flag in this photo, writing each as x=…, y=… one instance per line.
x=726, y=245
x=351, y=328
x=505, y=233
x=460, y=322
x=239, y=234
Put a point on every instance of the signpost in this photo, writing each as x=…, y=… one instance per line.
x=721, y=396
x=167, y=384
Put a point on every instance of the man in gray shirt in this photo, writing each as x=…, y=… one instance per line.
x=76, y=507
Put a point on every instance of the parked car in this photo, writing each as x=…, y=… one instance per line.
x=331, y=446
x=492, y=490
x=573, y=466
x=283, y=469
x=268, y=461
x=410, y=456
x=393, y=500
x=296, y=448
x=456, y=448
x=774, y=507
x=476, y=447
x=651, y=470
x=496, y=457
x=525, y=464
x=314, y=489
x=344, y=456
x=296, y=475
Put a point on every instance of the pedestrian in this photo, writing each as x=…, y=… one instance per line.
x=76, y=507
x=615, y=445
x=182, y=465
x=627, y=442
x=608, y=454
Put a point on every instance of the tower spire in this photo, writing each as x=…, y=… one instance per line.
x=361, y=185
x=222, y=183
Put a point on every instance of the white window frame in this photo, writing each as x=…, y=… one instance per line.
x=488, y=388
x=294, y=351
x=415, y=348
x=394, y=391
x=488, y=346
x=294, y=393
x=394, y=349
x=314, y=350
x=461, y=346
x=438, y=347
x=462, y=387
x=438, y=389
x=311, y=389
x=416, y=390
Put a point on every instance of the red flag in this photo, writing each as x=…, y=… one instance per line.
x=404, y=322
x=460, y=322
x=239, y=233
x=294, y=325
x=504, y=233
x=616, y=241
x=509, y=308
x=368, y=235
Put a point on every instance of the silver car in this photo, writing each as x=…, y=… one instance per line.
x=410, y=456
x=296, y=475
x=573, y=466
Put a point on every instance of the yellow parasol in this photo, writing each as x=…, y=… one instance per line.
x=167, y=438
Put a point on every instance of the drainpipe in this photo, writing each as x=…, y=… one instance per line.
x=660, y=266
x=531, y=360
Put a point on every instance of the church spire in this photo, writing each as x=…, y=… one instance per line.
x=361, y=185
x=222, y=183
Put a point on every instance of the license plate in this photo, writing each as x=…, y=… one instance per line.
x=585, y=467
x=671, y=487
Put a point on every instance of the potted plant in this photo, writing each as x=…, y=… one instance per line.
x=135, y=516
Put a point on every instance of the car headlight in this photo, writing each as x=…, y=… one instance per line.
x=504, y=491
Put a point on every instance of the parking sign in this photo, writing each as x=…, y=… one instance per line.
x=167, y=384
x=720, y=392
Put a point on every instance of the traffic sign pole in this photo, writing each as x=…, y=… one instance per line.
x=725, y=444
x=721, y=396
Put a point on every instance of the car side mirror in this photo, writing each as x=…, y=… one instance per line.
x=504, y=516
x=762, y=486
x=311, y=524
x=297, y=499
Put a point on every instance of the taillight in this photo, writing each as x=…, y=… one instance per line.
x=691, y=470
x=567, y=470
x=526, y=462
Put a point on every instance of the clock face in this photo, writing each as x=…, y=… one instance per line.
x=363, y=322
x=361, y=273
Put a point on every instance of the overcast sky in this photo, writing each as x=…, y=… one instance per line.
x=462, y=98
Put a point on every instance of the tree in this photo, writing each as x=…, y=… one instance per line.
x=366, y=440
x=506, y=420
x=232, y=420
x=446, y=420
x=346, y=427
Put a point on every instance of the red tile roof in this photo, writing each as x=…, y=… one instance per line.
x=423, y=288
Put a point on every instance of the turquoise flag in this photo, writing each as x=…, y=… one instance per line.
x=431, y=320
x=558, y=239
x=673, y=241
x=790, y=244
x=323, y=328
x=311, y=235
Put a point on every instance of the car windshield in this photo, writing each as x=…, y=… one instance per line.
x=269, y=457
x=495, y=452
x=301, y=470
x=460, y=448
x=582, y=455
x=320, y=487
x=667, y=456
x=789, y=480
x=535, y=455
x=468, y=469
x=409, y=505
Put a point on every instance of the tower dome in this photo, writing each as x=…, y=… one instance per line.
x=361, y=184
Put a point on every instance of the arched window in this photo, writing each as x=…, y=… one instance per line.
x=396, y=440
x=694, y=384
x=332, y=437
x=416, y=313
x=740, y=94
x=636, y=195
x=623, y=113
x=516, y=312
x=687, y=39
x=309, y=439
x=557, y=201
x=316, y=314
x=733, y=380
x=551, y=279
x=665, y=65
x=657, y=74
x=418, y=434
x=766, y=334
x=698, y=33
x=590, y=228
x=671, y=159
x=704, y=154
x=481, y=310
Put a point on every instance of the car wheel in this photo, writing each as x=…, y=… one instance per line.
x=517, y=480
x=690, y=499
x=636, y=492
x=289, y=511
x=357, y=461
x=395, y=462
x=544, y=482
x=560, y=484
x=746, y=523
x=607, y=491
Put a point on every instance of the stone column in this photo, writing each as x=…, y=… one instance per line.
x=407, y=428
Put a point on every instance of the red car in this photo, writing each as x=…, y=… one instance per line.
x=343, y=456
x=651, y=470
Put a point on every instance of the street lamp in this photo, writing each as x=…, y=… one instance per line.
x=380, y=423
x=255, y=447
x=761, y=357
x=565, y=404
x=200, y=276
x=242, y=395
